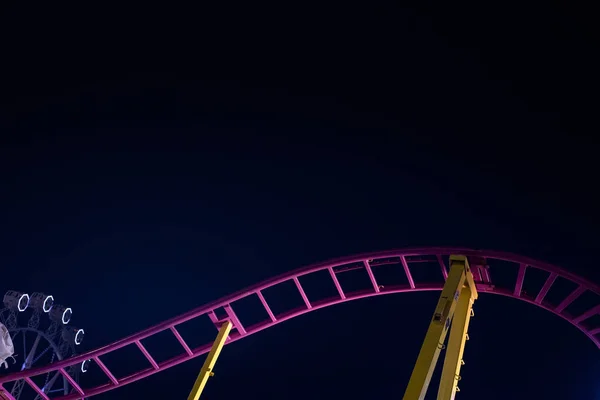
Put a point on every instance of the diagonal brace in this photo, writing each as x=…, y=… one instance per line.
x=210, y=361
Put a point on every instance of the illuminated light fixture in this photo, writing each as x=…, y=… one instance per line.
x=24, y=298
x=85, y=365
x=17, y=301
x=66, y=315
x=60, y=314
x=79, y=336
x=41, y=302
x=48, y=303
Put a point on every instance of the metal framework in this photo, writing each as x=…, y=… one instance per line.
x=454, y=307
x=407, y=260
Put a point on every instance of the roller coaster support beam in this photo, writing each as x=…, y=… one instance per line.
x=207, y=369
x=456, y=300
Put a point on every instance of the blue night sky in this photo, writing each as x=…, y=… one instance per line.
x=150, y=167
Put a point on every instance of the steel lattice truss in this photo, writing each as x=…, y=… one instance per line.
x=408, y=261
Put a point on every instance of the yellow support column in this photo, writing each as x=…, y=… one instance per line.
x=436, y=334
x=456, y=346
x=210, y=361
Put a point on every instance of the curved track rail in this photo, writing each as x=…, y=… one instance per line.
x=407, y=260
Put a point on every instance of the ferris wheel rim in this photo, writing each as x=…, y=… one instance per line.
x=43, y=335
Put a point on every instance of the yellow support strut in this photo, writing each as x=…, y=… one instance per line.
x=209, y=363
x=456, y=346
x=456, y=301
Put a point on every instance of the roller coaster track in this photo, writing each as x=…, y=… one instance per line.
x=407, y=261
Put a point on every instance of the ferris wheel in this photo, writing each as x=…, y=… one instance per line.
x=35, y=332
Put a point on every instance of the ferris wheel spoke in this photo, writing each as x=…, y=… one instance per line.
x=24, y=349
x=49, y=347
x=49, y=384
x=15, y=336
x=29, y=358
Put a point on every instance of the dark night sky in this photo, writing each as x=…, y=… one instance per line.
x=156, y=159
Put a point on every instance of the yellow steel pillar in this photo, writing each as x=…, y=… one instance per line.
x=210, y=361
x=456, y=346
x=459, y=277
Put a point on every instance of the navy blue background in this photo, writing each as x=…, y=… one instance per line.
x=155, y=160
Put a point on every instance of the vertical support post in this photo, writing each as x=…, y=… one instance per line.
x=210, y=361
x=456, y=346
x=438, y=328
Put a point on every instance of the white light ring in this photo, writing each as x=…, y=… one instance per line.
x=83, y=368
x=64, y=313
x=45, y=301
x=78, y=342
x=19, y=302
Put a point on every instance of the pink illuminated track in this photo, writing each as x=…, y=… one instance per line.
x=407, y=261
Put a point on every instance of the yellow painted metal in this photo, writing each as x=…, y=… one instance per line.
x=210, y=361
x=456, y=346
x=462, y=260
x=436, y=334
